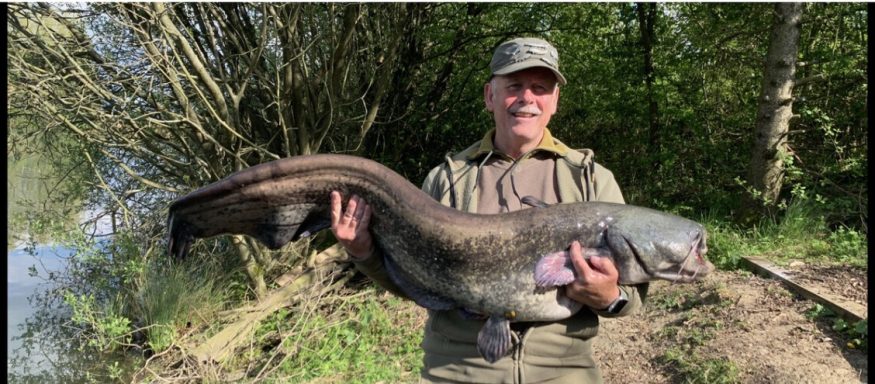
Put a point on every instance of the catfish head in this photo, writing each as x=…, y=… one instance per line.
x=657, y=245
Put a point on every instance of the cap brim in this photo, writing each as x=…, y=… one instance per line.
x=530, y=64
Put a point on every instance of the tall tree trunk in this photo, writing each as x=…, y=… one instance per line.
x=646, y=20
x=766, y=168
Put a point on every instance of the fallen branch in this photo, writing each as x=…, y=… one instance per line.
x=222, y=345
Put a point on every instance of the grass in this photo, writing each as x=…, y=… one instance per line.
x=693, y=369
x=800, y=234
x=173, y=298
x=365, y=337
x=695, y=328
x=137, y=304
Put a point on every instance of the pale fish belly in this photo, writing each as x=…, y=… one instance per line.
x=548, y=306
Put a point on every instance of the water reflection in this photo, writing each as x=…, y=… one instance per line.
x=41, y=343
x=35, y=344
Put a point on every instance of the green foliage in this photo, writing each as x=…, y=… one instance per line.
x=115, y=290
x=848, y=245
x=691, y=368
x=692, y=332
x=856, y=335
x=674, y=300
x=107, y=331
x=176, y=296
x=801, y=233
x=367, y=348
x=362, y=339
x=818, y=310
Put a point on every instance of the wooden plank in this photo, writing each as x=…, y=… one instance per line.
x=845, y=309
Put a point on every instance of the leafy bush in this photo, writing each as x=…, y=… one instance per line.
x=107, y=331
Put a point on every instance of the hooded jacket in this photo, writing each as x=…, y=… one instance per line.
x=544, y=352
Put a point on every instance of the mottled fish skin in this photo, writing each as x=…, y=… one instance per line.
x=483, y=263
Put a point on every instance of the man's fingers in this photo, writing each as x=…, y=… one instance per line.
x=349, y=214
x=357, y=210
x=580, y=264
x=365, y=221
x=335, y=208
x=360, y=208
x=604, y=265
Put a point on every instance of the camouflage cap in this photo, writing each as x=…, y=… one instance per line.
x=523, y=53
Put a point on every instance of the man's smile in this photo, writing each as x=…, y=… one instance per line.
x=525, y=112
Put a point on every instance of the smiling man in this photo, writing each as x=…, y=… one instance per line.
x=516, y=159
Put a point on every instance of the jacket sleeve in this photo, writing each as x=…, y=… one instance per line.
x=635, y=294
x=606, y=187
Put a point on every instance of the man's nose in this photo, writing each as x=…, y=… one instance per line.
x=527, y=96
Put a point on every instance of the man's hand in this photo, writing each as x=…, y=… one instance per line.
x=596, y=283
x=350, y=227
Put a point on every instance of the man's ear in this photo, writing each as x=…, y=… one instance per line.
x=488, y=96
x=555, y=100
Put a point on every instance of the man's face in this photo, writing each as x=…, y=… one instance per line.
x=522, y=102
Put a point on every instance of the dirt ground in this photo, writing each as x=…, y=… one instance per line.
x=734, y=319
x=732, y=325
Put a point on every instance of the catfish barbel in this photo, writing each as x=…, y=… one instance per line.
x=505, y=267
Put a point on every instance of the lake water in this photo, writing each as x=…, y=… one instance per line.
x=33, y=361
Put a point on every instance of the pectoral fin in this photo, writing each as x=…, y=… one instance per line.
x=494, y=340
x=554, y=269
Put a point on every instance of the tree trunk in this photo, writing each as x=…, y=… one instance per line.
x=766, y=168
x=646, y=20
x=254, y=270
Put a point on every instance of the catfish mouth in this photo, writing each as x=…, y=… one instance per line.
x=694, y=266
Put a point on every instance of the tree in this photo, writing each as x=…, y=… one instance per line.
x=646, y=19
x=769, y=153
x=165, y=98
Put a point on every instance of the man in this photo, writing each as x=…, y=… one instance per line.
x=518, y=158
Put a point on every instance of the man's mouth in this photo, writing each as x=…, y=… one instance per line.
x=523, y=114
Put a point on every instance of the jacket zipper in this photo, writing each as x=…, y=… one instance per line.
x=518, y=355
